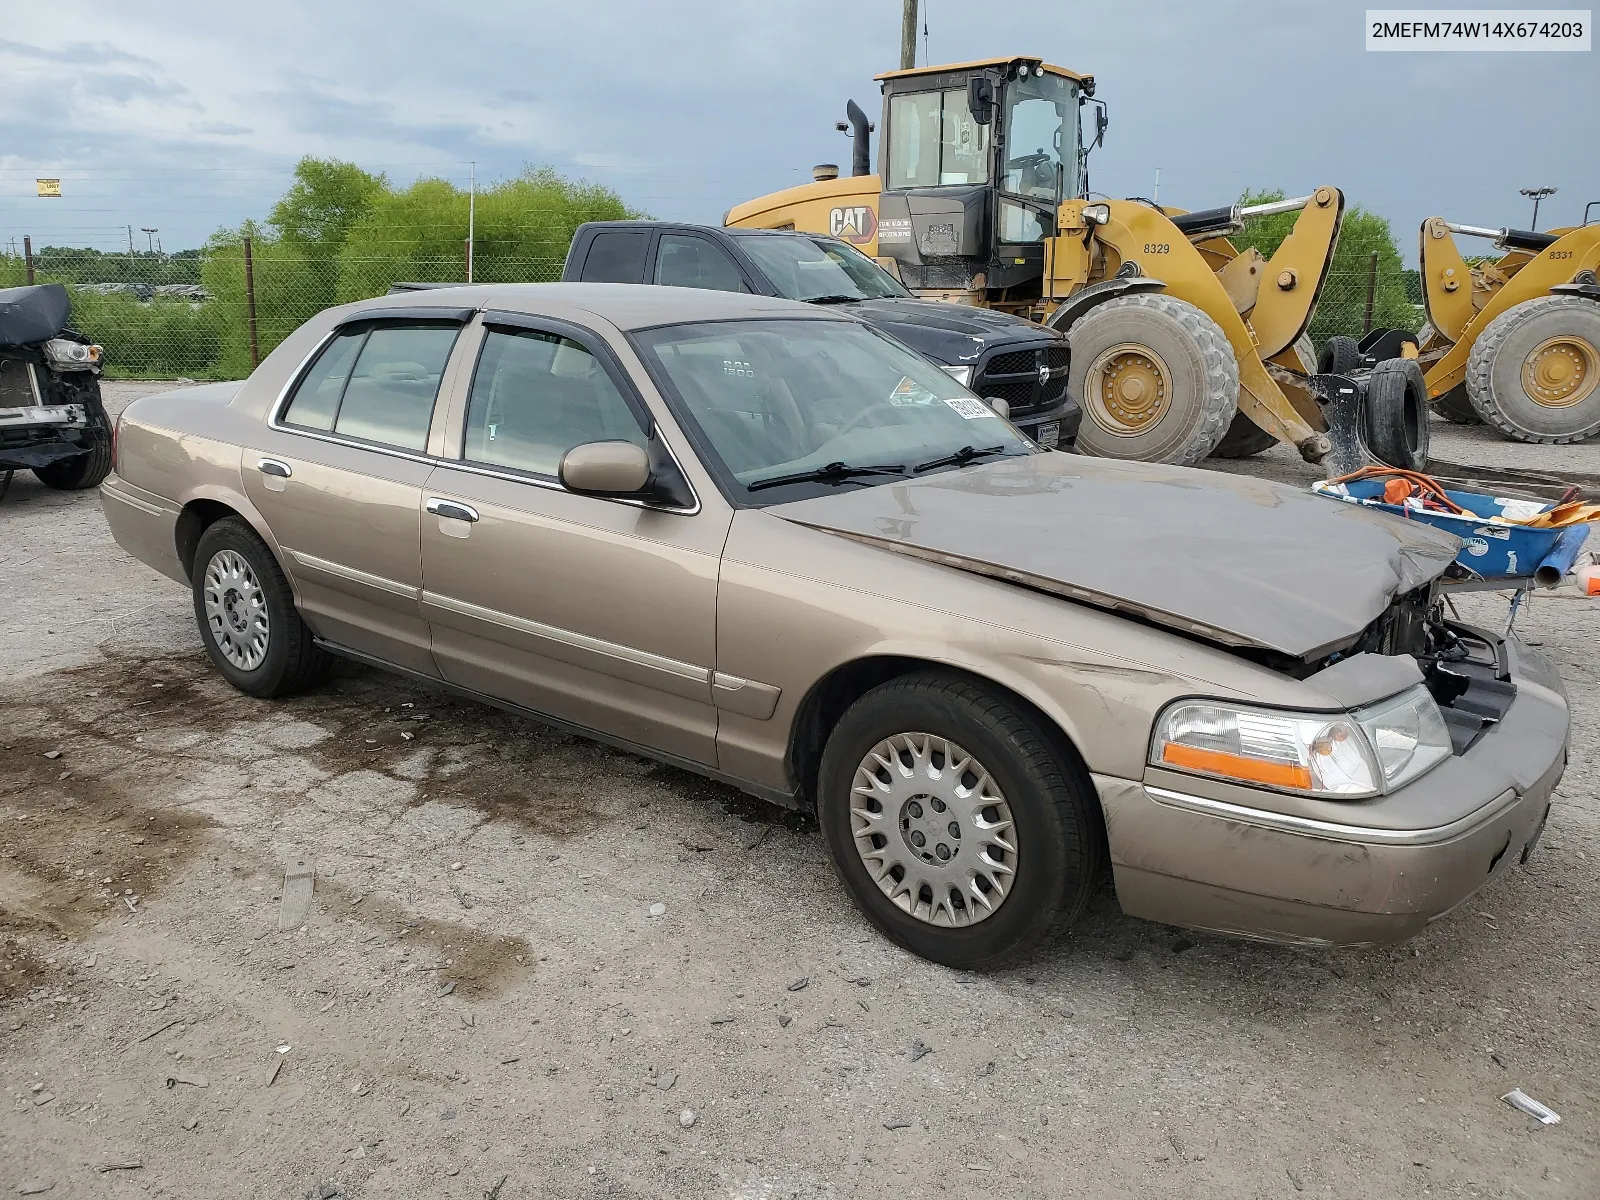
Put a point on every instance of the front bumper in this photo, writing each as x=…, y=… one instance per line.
x=36, y=435
x=1064, y=417
x=1192, y=852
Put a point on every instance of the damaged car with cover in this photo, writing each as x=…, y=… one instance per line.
x=762, y=542
x=52, y=420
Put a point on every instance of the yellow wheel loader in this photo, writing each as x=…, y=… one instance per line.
x=1181, y=345
x=1514, y=343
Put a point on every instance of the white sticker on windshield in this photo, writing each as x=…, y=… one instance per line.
x=969, y=408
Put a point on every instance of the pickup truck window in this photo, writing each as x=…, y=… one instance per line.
x=376, y=384
x=616, y=256
x=803, y=268
x=683, y=260
x=537, y=395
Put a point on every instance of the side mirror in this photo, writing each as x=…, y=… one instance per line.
x=1100, y=123
x=606, y=469
x=980, y=99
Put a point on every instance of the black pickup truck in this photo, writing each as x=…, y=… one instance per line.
x=1000, y=357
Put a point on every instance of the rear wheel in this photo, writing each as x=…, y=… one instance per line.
x=960, y=827
x=1396, y=415
x=1156, y=379
x=1534, y=372
x=1244, y=436
x=84, y=470
x=246, y=614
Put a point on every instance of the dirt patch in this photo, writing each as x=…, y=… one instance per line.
x=481, y=965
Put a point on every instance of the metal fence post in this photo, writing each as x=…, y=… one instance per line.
x=1372, y=293
x=27, y=255
x=250, y=304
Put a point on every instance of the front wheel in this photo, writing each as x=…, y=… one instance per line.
x=1534, y=372
x=90, y=468
x=245, y=610
x=959, y=826
x=1156, y=379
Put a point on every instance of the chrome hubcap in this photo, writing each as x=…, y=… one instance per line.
x=236, y=610
x=933, y=829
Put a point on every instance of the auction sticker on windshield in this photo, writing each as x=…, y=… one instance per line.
x=969, y=408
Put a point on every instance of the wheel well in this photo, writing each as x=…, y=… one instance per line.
x=197, y=516
x=835, y=692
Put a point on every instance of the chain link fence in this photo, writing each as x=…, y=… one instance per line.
x=212, y=314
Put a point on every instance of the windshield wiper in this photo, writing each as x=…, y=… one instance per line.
x=960, y=458
x=834, y=298
x=834, y=472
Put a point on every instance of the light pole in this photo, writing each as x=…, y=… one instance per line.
x=1537, y=194
x=149, y=237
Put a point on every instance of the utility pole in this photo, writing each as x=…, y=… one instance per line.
x=908, y=35
x=1157, y=196
x=472, y=213
x=149, y=237
x=1537, y=194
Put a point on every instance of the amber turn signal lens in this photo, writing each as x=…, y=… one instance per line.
x=1236, y=766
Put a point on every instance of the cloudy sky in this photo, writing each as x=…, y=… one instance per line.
x=185, y=116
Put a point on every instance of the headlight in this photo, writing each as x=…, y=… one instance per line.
x=1346, y=755
x=63, y=352
x=1097, y=214
x=962, y=375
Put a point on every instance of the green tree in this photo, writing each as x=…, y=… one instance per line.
x=523, y=227
x=327, y=197
x=1342, y=304
x=291, y=286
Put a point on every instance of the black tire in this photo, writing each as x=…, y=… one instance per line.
x=1495, y=377
x=1244, y=437
x=1340, y=355
x=1204, y=383
x=1396, y=414
x=1058, y=829
x=1455, y=406
x=86, y=470
x=292, y=660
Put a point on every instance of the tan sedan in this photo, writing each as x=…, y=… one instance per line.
x=768, y=544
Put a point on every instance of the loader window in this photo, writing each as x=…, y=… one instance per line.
x=1041, y=135
x=933, y=140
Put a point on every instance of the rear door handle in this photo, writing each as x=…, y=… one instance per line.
x=273, y=466
x=452, y=509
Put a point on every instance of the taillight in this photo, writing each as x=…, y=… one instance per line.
x=116, y=435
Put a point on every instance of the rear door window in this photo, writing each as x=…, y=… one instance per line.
x=376, y=384
x=683, y=260
x=616, y=256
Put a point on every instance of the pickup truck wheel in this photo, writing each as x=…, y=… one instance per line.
x=84, y=470
x=246, y=614
x=956, y=823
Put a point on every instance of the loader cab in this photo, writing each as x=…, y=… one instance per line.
x=975, y=160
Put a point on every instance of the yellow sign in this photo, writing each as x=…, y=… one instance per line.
x=49, y=187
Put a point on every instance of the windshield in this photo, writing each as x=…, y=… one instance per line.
x=934, y=141
x=779, y=398
x=1041, y=124
x=803, y=268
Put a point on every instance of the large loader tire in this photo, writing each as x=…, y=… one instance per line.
x=1244, y=436
x=1453, y=406
x=1340, y=355
x=1456, y=407
x=1156, y=379
x=1396, y=415
x=1534, y=372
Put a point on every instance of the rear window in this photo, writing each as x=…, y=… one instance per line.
x=616, y=256
x=377, y=384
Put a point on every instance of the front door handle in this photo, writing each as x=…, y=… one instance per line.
x=452, y=509
x=274, y=466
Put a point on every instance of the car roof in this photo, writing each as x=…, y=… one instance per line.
x=625, y=305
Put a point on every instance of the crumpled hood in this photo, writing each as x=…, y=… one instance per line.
x=1233, y=559
x=948, y=333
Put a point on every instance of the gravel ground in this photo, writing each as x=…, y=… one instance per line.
x=486, y=997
